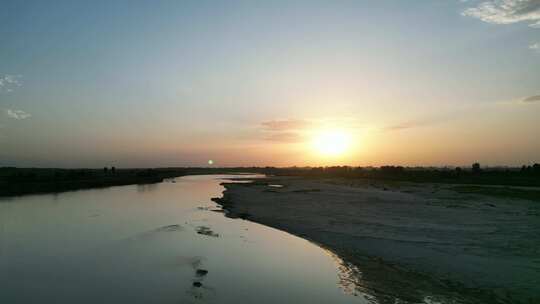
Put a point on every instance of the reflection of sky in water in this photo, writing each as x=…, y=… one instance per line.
x=139, y=244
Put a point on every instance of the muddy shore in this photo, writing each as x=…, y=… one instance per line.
x=413, y=242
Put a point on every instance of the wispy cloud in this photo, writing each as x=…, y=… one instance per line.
x=286, y=137
x=422, y=122
x=18, y=114
x=535, y=47
x=402, y=126
x=531, y=99
x=507, y=12
x=9, y=82
x=409, y=125
x=282, y=125
x=286, y=130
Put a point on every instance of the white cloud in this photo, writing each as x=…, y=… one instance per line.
x=507, y=11
x=17, y=114
x=535, y=47
x=9, y=82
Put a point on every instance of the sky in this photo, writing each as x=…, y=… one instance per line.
x=256, y=83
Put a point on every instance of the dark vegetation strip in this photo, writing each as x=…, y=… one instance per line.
x=526, y=194
x=475, y=175
x=19, y=181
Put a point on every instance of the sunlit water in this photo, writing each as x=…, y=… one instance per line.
x=145, y=243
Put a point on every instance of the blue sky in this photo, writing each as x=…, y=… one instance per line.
x=165, y=83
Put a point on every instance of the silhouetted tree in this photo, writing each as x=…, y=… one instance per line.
x=113, y=169
x=105, y=169
x=476, y=168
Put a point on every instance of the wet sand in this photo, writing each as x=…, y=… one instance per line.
x=414, y=242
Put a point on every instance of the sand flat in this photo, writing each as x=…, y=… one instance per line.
x=410, y=241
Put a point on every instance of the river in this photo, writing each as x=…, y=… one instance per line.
x=156, y=243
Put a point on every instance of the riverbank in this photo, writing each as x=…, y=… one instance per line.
x=22, y=181
x=17, y=181
x=415, y=242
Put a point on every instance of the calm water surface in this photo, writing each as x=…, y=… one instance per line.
x=145, y=243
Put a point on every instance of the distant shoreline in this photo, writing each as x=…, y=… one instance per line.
x=26, y=181
x=92, y=182
x=21, y=181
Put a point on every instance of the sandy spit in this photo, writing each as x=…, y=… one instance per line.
x=418, y=243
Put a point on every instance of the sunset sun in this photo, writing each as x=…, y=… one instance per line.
x=332, y=142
